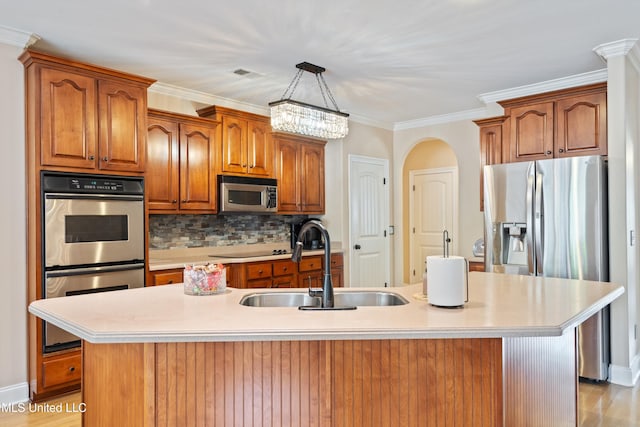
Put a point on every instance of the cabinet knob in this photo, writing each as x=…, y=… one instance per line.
x=174, y=201
x=356, y=247
x=184, y=200
x=170, y=282
x=548, y=153
x=92, y=157
x=259, y=271
x=252, y=166
x=561, y=150
x=244, y=166
x=285, y=269
x=72, y=368
x=105, y=158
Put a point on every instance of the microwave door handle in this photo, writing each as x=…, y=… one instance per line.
x=539, y=225
x=531, y=259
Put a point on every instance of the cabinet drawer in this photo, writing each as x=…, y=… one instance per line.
x=61, y=370
x=168, y=278
x=311, y=263
x=282, y=268
x=258, y=270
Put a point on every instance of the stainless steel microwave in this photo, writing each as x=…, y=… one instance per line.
x=239, y=194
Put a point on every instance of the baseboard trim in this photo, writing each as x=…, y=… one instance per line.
x=16, y=393
x=623, y=375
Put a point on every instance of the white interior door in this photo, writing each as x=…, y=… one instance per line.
x=432, y=209
x=370, y=264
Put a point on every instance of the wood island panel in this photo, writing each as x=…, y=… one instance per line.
x=291, y=383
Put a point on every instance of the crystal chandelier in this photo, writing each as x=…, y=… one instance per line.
x=298, y=117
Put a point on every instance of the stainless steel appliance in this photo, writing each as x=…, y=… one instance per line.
x=549, y=218
x=93, y=239
x=240, y=194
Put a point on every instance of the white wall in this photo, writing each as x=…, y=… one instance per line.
x=463, y=137
x=623, y=99
x=13, y=303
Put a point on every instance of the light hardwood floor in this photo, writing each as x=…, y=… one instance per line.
x=601, y=405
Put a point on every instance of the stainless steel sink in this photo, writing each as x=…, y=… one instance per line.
x=342, y=299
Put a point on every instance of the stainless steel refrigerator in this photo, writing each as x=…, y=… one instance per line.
x=549, y=218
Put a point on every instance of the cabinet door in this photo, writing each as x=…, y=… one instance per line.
x=197, y=168
x=69, y=119
x=312, y=193
x=531, y=132
x=581, y=125
x=288, y=175
x=310, y=279
x=123, y=127
x=162, y=172
x=490, y=152
x=234, y=145
x=284, y=282
x=259, y=149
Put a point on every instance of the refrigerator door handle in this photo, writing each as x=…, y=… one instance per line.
x=538, y=225
x=529, y=208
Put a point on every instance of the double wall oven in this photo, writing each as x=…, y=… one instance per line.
x=93, y=239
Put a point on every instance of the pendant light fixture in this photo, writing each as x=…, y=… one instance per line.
x=298, y=117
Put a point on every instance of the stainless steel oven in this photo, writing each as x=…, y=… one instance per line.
x=93, y=239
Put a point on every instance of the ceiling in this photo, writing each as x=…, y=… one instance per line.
x=387, y=62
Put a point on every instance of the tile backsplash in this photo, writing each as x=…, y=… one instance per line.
x=194, y=231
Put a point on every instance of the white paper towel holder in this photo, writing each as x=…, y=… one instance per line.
x=445, y=254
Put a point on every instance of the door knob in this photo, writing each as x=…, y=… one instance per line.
x=356, y=247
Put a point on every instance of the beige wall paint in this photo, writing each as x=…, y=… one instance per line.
x=428, y=154
x=462, y=137
x=13, y=303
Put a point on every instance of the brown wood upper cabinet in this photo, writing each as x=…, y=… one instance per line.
x=83, y=116
x=564, y=123
x=300, y=174
x=491, y=147
x=181, y=161
x=246, y=147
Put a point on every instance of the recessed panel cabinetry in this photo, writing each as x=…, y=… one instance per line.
x=491, y=147
x=564, y=123
x=246, y=146
x=300, y=174
x=181, y=172
x=85, y=117
x=80, y=118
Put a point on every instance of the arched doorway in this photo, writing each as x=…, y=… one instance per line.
x=430, y=199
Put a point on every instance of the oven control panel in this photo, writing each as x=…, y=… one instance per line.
x=91, y=184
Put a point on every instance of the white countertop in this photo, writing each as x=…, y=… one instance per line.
x=500, y=306
x=166, y=259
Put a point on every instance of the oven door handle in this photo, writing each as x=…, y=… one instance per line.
x=70, y=196
x=91, y=270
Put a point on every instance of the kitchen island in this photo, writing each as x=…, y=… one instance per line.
x=155, y=356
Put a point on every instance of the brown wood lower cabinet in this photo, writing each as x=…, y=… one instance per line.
x=489, y=382
x=285, y=273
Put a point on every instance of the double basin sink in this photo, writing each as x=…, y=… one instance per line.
x=341, y=299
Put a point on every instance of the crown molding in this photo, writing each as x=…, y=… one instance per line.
x=617, y=48
x=547, y=86
x=634, y=56
x=18, y=38
x=476, y=113
x=205, y=98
